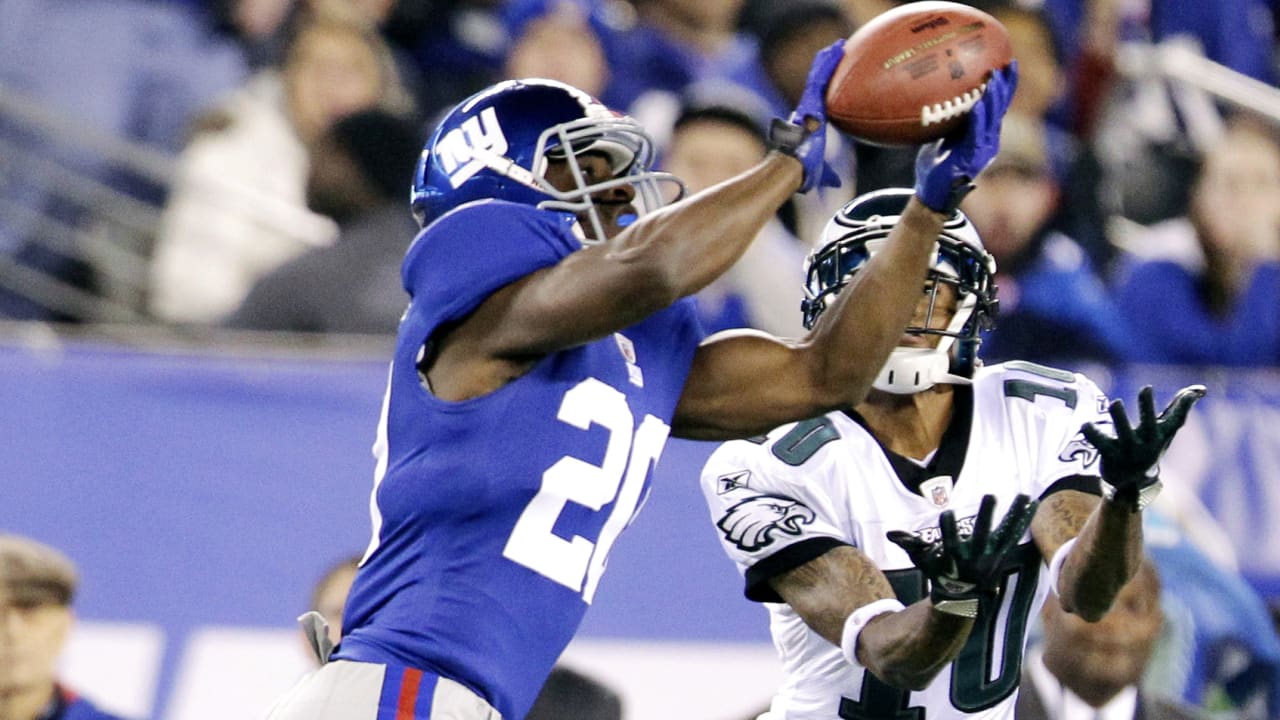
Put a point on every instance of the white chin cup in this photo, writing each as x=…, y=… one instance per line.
x=912, y=370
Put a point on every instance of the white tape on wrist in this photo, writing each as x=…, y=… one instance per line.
x=1055, y=564
x=858, y=619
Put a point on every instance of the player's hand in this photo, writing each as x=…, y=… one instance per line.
x=945, y=168
x=804, y=134
x=964, y=568
x=1130, y=474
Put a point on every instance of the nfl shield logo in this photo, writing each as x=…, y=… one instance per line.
x=937, y=489
x=628, y=350
x=626, y=347
x=938, y=496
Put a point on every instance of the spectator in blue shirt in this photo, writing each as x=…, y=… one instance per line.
x=1205, y=288
x=1054, y=306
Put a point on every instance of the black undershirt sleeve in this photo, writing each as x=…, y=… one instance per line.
x=788, y=558
x=1090, y=484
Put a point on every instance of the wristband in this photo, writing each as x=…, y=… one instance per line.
x=967, y=607
x=786, y=137
x=1143, y=497
x=1055, y=564
x=858, y=619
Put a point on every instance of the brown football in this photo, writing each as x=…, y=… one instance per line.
x=911, y=74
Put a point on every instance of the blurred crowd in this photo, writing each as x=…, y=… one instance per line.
x=260, y=152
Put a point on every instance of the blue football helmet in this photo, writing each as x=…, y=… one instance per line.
x=856, y=233
x=497, y=144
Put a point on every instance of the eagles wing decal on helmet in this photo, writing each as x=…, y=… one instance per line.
x=752, y=523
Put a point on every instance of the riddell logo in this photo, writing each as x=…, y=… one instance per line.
x=929, y=24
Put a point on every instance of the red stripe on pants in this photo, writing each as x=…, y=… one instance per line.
x=408, y=694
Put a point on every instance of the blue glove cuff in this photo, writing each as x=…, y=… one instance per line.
x=807, y=147
x=944, y=198
x=939, y=185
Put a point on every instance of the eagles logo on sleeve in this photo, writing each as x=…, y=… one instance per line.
x=752, y=523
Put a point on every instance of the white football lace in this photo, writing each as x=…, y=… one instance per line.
x=943, y=111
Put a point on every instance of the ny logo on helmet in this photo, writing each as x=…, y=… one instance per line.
x=463, y=151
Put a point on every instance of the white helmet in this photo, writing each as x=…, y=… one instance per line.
x=856, y=233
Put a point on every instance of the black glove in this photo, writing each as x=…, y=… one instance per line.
x=1130, y=474
x=963, y=569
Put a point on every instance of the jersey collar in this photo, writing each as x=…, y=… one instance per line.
x=949, y=458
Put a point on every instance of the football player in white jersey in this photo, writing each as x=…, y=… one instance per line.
x=868, y=533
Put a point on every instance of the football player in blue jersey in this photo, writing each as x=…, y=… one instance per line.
x=549, y=349
x=37, y=585
x=902, y=543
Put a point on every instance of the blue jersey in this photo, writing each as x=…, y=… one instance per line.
x=493, y=517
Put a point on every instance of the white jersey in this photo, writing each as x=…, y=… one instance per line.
x=784, y=499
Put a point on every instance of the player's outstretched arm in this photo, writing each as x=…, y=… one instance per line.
x=839, y=592
x=1095, y=547
x=908, y=648
x=665, y=255
x=700, y=238
x=743, y=384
